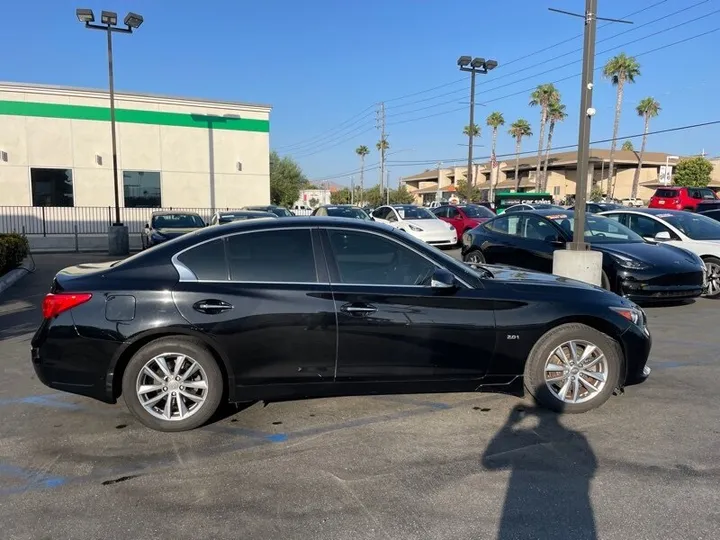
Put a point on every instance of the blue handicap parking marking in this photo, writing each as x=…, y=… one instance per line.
x=53, y=401
x=14, y=480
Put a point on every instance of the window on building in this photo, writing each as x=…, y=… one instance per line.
x=142, y=189
x=556, y=190
x=52, y=187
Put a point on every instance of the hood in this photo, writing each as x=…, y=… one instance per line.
x=429, y=224
x=172, y=233
x=514, y=275
x=654, y=254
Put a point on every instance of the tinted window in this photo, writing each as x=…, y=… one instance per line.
x=701, y=193
x=277, y=256
x=599, y=230
x=713, y=214
x=474, y=211
x=505, y=225
x=206, y=261
x=346, y=212
x=381, y=212
x=280, y=212
x=177, y=221
x=667, y=193
x=369, y=259
x=441, y=211
x=696, y=226
x=645, y=226
x=537, y=228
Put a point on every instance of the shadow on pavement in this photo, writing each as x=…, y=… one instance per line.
x=551, y=467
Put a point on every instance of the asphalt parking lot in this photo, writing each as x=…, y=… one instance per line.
x=460, y=466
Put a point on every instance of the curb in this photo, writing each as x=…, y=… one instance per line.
x=12, y=277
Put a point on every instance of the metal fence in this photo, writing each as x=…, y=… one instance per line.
x=49, y=220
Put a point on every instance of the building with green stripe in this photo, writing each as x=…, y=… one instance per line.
x=55, y=149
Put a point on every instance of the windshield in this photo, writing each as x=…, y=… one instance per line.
x=414, y=212
x=347, y=212
x=177, y=221
x=279, y=211
x=227, y=218
x=599, y=230
x=474, y=211
x=695, y=226
x=547, y=207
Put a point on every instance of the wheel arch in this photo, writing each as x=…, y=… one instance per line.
x=123, y=356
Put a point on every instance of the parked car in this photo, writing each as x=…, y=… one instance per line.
x=693, y=232
x=631, y=267
x=633, y=202
x=220, y=314
x=220, y=218
x=417, y=221
x=597, y=207
x=164, y=226
x=526, y=207
x=436, y=204
x=712, y=214
x=680, y=198
x=279, y=211
x=464, y=217
x=341, y=210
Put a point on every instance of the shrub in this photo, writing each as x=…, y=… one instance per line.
x=13, y=249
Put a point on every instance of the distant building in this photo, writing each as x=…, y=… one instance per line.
x=312, y=198
x=440, y=183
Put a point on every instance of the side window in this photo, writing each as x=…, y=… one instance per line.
x=506, y=225
x=263, y=256
x=536, y=228
x=441, y=211
x=369, y=259
x=453, y=212
x=214, y=219
x=321, y=212
x=646, y=227
x=391, y=216
x=207, y=261
x=616, y=217
x=381, y=212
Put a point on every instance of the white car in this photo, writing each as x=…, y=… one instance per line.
x=417, y=221
x=693, y=232
x=635, y=203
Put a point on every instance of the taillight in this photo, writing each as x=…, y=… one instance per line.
x=55, y=304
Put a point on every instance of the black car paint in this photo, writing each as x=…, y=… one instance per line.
x=294, y=340
x=672, y=272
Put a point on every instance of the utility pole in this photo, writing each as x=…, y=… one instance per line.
x=387, y=185
x=383, y=135
x=352, y=190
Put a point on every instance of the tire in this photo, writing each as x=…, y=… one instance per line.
x=713, y=266
x=546, y=394
x=474, y=255
x=169, y=349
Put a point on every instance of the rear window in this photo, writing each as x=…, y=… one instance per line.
x=667, y=193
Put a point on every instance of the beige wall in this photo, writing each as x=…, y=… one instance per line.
x=181, y=154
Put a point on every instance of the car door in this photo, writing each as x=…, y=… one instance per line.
x=266, y=303
x=391, y=328
x=455, y=218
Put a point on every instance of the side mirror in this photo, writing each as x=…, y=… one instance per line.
x=442, y=279
x=663, y=236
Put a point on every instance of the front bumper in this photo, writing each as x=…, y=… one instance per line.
x=436, y=238
x=643, y=287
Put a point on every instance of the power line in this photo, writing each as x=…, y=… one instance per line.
x=332, y=134
x=343, y=140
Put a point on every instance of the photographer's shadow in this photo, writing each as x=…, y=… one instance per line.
x=551, y=467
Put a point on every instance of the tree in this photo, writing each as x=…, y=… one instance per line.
x=494, y=120
x=619, y=69
x=362, y=151
x=519, y=129
x=556, y=113
x=374, y=196
x=382, y=144
x=341, y=196
x=313, y=202
x=401, y=196
x=286, y=180
x=692, y=172
x=628, y=145
x=467, y=192
x=543, y=96
x=475, y=130
x=647, y=108
x=596, y=195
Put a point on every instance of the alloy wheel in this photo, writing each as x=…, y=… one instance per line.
x=475, y=257
x=576, y=371
x=172, y=386
x=712, y=273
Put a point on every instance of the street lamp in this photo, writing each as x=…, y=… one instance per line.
x=668, y=175
x=473, y=66
x=118, y=239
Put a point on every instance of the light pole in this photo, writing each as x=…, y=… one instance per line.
x=668, y=175
x=118, y=239
x=476, y=65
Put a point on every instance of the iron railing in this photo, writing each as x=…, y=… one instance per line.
x=49, y=220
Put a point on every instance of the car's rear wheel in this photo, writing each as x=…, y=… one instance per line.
x=712, y=265
x=475, y=256
x=173, y=384
x=573, y=368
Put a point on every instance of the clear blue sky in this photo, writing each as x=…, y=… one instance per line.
x=320, y=63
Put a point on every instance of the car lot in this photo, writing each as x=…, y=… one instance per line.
x=413, y=466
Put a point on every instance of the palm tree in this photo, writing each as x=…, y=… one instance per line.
x=543, y=96
x=382, y=146
x=627, y=145
x=647, y=108
x=362, y=151
x=619, y=69
x=556, y=113
x=495, y=120
x=519, y=129
x=475, y=130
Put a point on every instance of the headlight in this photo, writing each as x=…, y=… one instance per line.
x=629, y=262
x=450, y=226
x=466, y=239
x=634, y=314
x=414, y=227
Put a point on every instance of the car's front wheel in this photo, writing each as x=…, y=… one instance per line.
x=474, y=256
x=573, y=368
x=712, y=274
x=173, y=384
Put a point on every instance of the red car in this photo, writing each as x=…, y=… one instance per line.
x=463, y=217
x=681, y=198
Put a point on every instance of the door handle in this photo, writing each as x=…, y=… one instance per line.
x=211, y=307
x=358, y=309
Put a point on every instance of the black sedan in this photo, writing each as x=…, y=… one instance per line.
x=363, y=308
x=632, y=267
x=164, y=226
